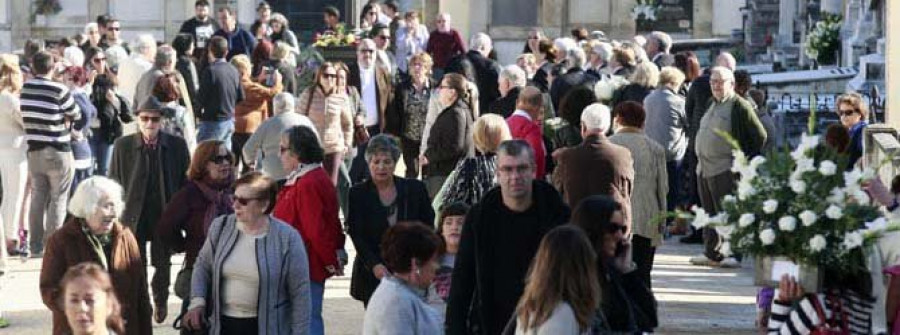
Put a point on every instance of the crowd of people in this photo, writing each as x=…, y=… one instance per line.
x=530, y=201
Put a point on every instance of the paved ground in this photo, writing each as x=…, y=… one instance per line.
x=692, y=300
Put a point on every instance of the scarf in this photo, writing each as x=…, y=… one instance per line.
x=300, y=171
x=97, y=242
x=219, y=197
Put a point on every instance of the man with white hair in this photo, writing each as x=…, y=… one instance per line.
x=574, y=77
x=658, y=48
x=596, y=166
x=444, y=43
x=163, y=63
x=728, y=113
x=512, y=80
x=479, y=69
x=263, y=147
x=726, y=60
x=598, y=60
x=131, y=69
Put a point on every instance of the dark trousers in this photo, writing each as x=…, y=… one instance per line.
x=159, y=259
x=411, y=157
x=642, y=253
x=359, y=169
x=239, y=326
x=711, y=191
x=237, y=147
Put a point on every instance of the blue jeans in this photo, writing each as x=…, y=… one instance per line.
x=316, y=324
x=102, y=153
x=216, y=130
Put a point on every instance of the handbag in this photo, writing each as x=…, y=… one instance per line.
x=837, y=325
x=183, y=283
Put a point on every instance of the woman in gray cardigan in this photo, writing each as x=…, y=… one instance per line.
x=253, y=268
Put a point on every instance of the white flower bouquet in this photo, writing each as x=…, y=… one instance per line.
x=823, y=40
x=647, y=8
x=605, y=88
x=799, y=205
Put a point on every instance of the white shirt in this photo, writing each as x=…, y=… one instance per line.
x=240, y=278
x=369, y=94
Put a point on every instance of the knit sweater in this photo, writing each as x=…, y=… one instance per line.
x=397, y=309
x=332, y=117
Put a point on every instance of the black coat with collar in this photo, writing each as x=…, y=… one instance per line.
x=367, y=221
x=562, y=85
x=482, y=71
x=473, y=284
x=130, y=169
x=505, y=106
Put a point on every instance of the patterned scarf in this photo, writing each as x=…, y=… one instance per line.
x=97, y=242
x=219, y=196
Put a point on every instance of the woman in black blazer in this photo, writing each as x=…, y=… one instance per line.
x=376, y=204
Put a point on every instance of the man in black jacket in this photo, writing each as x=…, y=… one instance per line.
x=575, y=76
x=220, y=91
x=479, y=69
x=658, y=48
x=499, y=239
x=512, y=80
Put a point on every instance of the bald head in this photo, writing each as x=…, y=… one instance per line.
x=726, y=60
x=531, y=101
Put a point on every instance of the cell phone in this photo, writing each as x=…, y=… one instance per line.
x=270, y=76
x=620, y=248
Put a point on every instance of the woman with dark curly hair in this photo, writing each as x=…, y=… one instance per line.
x=410, y=252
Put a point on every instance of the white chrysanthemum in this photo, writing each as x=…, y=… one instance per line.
x=837, y=196
x=725, y=231
x=701, y=218
x=853, y=240
x=827, y=168
x=745, y=189
x=879, y=224
x=798, y=186
x=757, y=161
x=728, y=199
x=787, y=223
x=770, y=206
x=834, y=212
x=852, y=178
x=719, y=219
x=860, y=196
x=817, y=243
x=746, y=220
x=808, y=217
x=767, y=236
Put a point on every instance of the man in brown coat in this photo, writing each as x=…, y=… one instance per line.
x=373, y=82
x=596, y=166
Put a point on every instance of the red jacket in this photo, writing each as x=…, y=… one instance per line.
x=310, y=206
x=522, y=128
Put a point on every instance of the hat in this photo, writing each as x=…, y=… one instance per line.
x=598, y=35
x=152, y=104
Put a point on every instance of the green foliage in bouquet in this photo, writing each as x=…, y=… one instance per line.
x=823, y=40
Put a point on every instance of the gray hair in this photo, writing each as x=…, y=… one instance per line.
x=515, y=75
x=576, y=58
x=382, y=144
x=278, y=17
x=165, y=56
x=564, y=44
x=91, y=26
x=480, y=41
x=115, y=54
x=596, y=116
x=144, y=43
x=515, y=148
x=663, y=41
x=604, y=50
x=283, y=102
x=724, y=72
x=726, y=60
x=89, y=192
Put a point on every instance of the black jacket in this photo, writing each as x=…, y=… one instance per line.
x=367, y=222
x=663, y=60
x=630, y=92
x=482, y=71
x=627, y=304
x=505, y=106
x=472, y=287
x=450, y=140
x=698, y=98
x=220, y=91
x=185, y=65
x=562, y=85
x=109, y=116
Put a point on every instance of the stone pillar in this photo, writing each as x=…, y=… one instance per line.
x=786, y=14
x=892, y=80
x=703, y=17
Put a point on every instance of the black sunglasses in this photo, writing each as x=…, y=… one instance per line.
x=244, y=201
x=846, y=112
x=153, y=119
x=614, y=227
x=220, y=159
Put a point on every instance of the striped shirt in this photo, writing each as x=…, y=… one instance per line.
x=46, y=106
x=801, y=318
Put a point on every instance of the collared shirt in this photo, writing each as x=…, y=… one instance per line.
x=369, y=94
x=150, y=143
x=713, y=152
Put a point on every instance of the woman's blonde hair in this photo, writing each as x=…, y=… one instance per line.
x=425, y=59
x=564, y=270
x=10, y=74
x=645, y=74
x=490, y=130
x=856, y=101
x=242, y=64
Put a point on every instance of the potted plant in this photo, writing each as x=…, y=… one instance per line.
x=799, y=213
x=337, y=45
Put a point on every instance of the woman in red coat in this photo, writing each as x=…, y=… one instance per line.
x=308, y=202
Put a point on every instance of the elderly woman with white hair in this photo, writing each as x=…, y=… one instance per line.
x=94, y=234
x=262, y=149
x=92, y=36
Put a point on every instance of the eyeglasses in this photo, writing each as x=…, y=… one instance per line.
x=152, y=119
x=615, y=227
x=220, y=159
x=365, y=51
x=244, y=201
x=330, y=75
x=846, y=112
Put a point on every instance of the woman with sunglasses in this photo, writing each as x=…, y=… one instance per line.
x=854, y=114
x=308, y=202
x=627, y=305
x=329, y=109
x=205, y=196
x=112, y=110
x=252, y=274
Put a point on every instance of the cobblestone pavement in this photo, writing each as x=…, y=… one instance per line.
x=692, y=300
